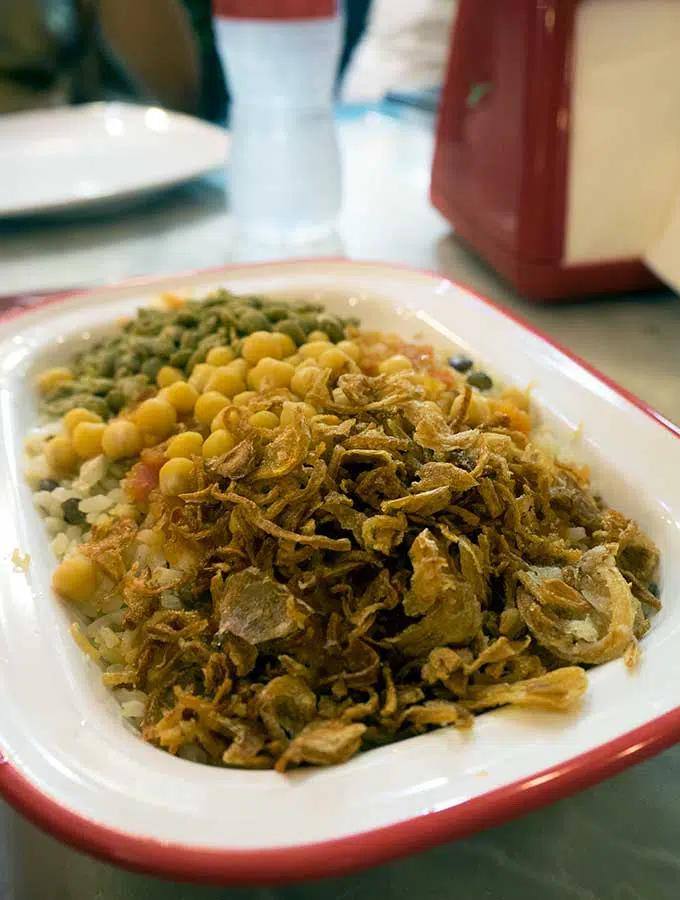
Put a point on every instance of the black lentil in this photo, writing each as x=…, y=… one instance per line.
x=48, y=484
x=480, y=380
x=72, y=512
x=461, y=363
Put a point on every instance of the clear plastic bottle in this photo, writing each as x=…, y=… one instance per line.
x=281, y=58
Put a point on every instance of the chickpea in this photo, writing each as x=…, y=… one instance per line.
x=264, y=419
x=121, y=439
x=168, y=375
x=394, y=364
x=219, y=356
x=50, y=379
x=313, y=349
x=261, y=344
x=335, y=360
x=187, y=444
x=219, y=443
x=239, y=366
x=303, y=379
x=270, y=373
x=60, y=455
x=181, y=395
x=286, y=343
x=201, y=376
x=75, y=579
x=156, y=416
x=77, y=415
x=87, y=439
x=176, y=477
x=226, y=381
x=208, y=405
x=243, y=398
x=351, y=348
x=287, y=413
x=318, y=336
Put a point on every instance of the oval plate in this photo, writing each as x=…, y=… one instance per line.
x=70, y=765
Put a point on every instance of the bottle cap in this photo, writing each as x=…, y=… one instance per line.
x=275, y=9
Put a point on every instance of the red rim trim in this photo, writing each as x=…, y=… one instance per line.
x=359, y=851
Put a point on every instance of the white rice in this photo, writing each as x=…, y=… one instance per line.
x=101, y=498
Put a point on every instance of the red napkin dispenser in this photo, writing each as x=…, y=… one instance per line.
x=558, y=141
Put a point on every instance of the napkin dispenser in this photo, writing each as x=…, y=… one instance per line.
x=557, y=156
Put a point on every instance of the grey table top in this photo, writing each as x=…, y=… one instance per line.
x=617, y=841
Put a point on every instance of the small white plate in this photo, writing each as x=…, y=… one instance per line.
x=70, y=765
x=81, y=157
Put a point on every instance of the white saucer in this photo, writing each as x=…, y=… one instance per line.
x=78, y=157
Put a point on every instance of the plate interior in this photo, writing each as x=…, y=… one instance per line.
x=61, y=728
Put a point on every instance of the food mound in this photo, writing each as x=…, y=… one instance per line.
x=290, y=540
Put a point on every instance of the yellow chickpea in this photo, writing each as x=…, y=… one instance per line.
x=313, y=349
x=156, y=416
x=289, y=408
x=219, y=356
x=187, y=444
x=303, y=379
x=394, y=364
x=87, y=439
x=335, y=360
x=264, y=419
x=286, y=343
x=208, y=405
x=51, y=378
x=181, y=395
x=121, y=439
x=260, y=344
x=201, y=375
x=294, y=360
x=60, y=455
x=239, y=366
x=226, y=381
x=168, y=375
x=77, y=415
x=219, y=443
x=318, y=336
x=176, y=477
x=351, y=348
x=270, y=373
x=243, y=398
x=75, y=579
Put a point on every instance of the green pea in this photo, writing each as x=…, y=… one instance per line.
x=152, y=367
x=186, y=319
x=332, y=326
x=115, y=400
x=180, y=358
x=308, y=322
x=292, y=329
x=253, y=321
x=276, y=313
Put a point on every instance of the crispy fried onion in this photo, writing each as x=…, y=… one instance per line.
x=393, y=564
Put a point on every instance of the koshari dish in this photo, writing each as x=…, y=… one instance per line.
x=293, y=540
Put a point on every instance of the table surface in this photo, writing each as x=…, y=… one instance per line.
x=617, y=841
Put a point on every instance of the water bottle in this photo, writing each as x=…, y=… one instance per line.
x=281, y=59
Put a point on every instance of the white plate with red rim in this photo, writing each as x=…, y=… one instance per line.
x=99, y=155
x=70, y=765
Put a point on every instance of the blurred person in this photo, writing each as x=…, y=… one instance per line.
x=55, y=52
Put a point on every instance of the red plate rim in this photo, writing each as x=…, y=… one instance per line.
x=364, y=849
